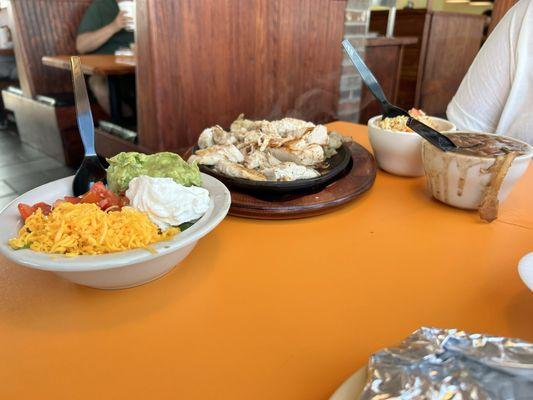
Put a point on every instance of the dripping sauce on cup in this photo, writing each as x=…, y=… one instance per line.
x=480, y=174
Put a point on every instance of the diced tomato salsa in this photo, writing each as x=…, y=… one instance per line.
x=26, y=210
x=98, y=194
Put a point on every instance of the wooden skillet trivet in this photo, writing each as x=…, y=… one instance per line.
x=356, y=181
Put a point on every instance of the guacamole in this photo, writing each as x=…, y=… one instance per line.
x=125, y=166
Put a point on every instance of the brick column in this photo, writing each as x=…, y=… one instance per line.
x=355, y=30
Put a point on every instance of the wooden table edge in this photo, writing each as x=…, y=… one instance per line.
x=64, y=64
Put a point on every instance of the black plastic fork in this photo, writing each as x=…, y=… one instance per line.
x=390, y=110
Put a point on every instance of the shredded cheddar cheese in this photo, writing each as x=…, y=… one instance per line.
x=75, y=229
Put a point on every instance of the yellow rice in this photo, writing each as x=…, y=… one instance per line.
x=75, y=229
x=399, y=123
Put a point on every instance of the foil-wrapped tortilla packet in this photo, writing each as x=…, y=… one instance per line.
x=447, y=364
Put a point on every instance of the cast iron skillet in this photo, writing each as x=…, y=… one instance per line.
x=337, y=164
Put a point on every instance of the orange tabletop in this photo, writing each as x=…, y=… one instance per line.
x=273, y=309
x=103, y=64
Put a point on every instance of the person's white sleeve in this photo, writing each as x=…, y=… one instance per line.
x=481, y=97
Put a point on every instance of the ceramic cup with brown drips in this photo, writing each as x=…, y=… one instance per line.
x=463, y=179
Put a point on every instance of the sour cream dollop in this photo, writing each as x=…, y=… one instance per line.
x=166, y=202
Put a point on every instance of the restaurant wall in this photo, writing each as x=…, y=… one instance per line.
x=355, y=30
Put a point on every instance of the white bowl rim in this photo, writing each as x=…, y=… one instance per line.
x=460, y=155
x=523, y=264
x=219, y=207
x=372, y=121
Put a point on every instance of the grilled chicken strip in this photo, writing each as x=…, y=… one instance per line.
x=288, y=125
x=242, y=125
x=206, y=138
x=260, y=160
x=220, y=136
x=299, y=152
x=319, y=135
x=238, y=171
x=216, y=153
x=289, y=171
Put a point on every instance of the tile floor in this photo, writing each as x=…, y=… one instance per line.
x=23, y=167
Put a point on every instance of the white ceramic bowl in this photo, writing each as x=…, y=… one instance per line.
x=352, y=387
x=399, y=152
x=116, y=270
x=525, y=269
x=460, y=180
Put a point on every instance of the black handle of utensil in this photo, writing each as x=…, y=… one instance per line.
x=431, y=135
x=390, y=110
x=367, y=76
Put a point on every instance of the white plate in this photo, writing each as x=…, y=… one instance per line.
x=525, y=269
x=352, y=387
x=115, y=270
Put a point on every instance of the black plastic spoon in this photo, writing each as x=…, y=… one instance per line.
x=91, y=170
x=389, y=110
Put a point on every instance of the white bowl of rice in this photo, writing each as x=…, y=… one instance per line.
x=396, y=147
x=114, y=270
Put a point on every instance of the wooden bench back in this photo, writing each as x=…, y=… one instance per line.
x=449, y=49
x=499, y=9
x=202, y=62
x=433, y=69
x=410, y=22
x=39, y=28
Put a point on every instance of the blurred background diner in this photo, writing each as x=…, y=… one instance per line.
x=106, y=29
x=160, y=72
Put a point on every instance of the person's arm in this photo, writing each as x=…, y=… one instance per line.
x=480, y=99
x=491, y=95
x=90, y=41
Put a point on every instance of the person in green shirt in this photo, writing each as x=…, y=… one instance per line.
x=102, y=31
